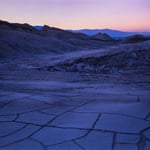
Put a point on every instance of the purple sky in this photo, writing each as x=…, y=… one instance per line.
x=128, y=15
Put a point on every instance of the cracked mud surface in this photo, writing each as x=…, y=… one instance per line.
x=73, y=111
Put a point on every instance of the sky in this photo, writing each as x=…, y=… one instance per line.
x=126, y=15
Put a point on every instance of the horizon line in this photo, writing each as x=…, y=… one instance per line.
x=90, y=28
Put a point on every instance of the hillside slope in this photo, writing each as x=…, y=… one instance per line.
x=21, y=39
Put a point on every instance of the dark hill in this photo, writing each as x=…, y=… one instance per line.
x=21, y=39
x=135, y=39
x=103, y=37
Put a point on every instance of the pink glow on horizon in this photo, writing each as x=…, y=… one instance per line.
x=127, y=15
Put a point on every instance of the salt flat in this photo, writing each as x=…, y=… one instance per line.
x=44, y=110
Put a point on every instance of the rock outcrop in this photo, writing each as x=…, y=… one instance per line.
x=16, y=26
x=115, y=60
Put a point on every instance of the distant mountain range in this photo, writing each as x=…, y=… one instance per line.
x=113, y=33
x=110, y=32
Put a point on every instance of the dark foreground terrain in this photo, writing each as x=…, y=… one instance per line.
x=96, y=98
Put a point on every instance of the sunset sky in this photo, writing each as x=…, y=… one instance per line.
x=127, y=15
